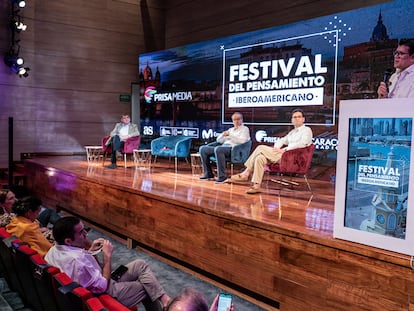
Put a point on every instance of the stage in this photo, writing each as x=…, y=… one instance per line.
x=276, y=247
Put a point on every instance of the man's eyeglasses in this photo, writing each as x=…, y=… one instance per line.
x=83, y=230
x=236, y=119
x=399, y=53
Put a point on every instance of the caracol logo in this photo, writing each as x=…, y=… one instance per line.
x=149, y=94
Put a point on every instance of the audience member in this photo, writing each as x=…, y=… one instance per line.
x=236, y=135
x=299, y=137
x=25, y=227
x=192, y=300
x=7, y=199
x=401, y=83
x=137, y=284
x=121, y=132
x=47, y=216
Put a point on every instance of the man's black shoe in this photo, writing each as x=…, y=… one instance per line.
x=206, y=177
x=220, y=180
x=111, y=167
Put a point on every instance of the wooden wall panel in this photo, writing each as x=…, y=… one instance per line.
x=190, y=21
x=82, y=55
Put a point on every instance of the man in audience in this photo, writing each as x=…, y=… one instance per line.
x=121, y=132
x=236, y=135
x=401, y=83
x=137, y=284
x=192, y=300
x=299, y=137
x=25, y=227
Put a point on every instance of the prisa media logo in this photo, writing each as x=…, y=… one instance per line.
x=149, y=94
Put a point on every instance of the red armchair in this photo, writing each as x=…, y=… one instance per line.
x=296, y=161
x=129, y=146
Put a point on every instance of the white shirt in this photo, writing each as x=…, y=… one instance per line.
x=297, y=138
x=79, y=265
x=236, y=136
x=401, y=84
x=123, y=131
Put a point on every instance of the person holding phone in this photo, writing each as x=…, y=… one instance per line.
x=130, y=284
x=191, y=299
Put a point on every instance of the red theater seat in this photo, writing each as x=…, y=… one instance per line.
x=70, y=295
x=111, y=304
x=21, y=254
x=43, y=279
x=94, y=304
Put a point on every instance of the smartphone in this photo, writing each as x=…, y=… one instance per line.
x=224, y=302
x=118, y=272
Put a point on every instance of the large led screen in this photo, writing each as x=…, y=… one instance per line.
x=193, y=90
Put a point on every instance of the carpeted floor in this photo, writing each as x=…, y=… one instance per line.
x=172, y=279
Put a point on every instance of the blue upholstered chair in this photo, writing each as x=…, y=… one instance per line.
x=171, y=146
x=239, y=153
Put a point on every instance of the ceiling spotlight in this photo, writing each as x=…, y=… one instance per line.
x=11, y=60
x=20, y=26
x=23, y=72
x=20, y=3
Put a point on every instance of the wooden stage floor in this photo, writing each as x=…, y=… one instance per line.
x=292, y=209
x=276, y=247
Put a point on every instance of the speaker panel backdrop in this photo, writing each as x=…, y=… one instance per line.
x=193, y=90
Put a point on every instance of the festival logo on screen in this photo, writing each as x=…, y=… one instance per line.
x=276, y=73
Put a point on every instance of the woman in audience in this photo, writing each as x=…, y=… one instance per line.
x=7, y=199
x=25, y=227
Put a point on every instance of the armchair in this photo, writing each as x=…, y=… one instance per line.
x=239, y=154
x=129, y=145
x=296, y=161
x=171, y=146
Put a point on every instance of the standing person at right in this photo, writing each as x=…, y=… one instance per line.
x=401, y=83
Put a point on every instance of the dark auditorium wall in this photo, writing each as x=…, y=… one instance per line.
x=83, y=55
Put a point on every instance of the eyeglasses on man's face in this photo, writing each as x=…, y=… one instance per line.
x=399, y=53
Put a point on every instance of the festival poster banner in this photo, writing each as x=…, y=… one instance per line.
x=374, y=174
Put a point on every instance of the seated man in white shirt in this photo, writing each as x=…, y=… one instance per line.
x=299, y=137
x=137, y=284
x=239, y=134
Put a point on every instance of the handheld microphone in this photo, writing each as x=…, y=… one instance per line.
x=387, y=76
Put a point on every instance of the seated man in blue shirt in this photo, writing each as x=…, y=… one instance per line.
x=239, y=134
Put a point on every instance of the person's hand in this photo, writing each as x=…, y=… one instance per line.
x=107, y=248
x=123, y=137
x=382, y=90
x=96, y=244
x=214, y=305
x=278, y=150
x=226, y=133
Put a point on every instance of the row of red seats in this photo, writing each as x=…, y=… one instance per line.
x=44, y=287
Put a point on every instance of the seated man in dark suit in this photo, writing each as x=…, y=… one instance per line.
x=239, y=134
x=121, y=132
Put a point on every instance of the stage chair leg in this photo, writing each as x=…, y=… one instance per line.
x=176, y=165
x=307, y=182
x=125, y=159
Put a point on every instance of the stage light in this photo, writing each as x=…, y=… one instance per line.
x=21, y=71
x=20, y=3
x=20, y=26
x=11, y=60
